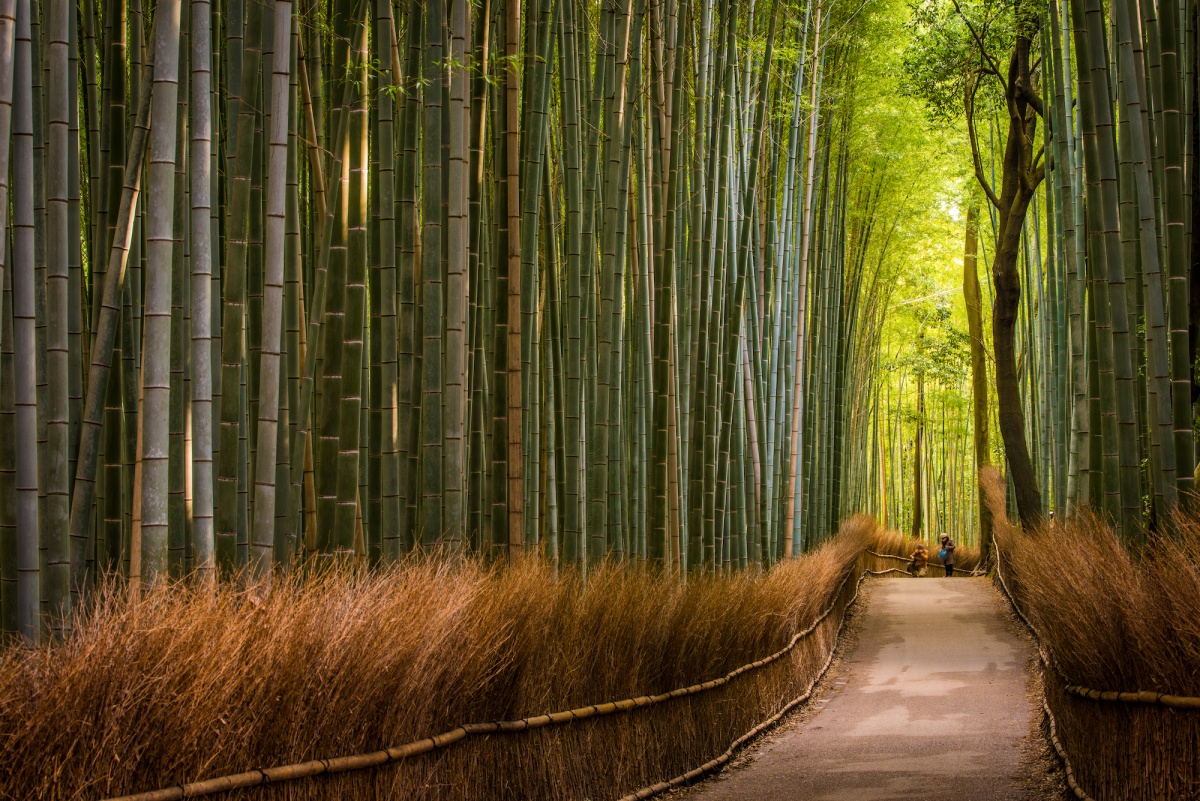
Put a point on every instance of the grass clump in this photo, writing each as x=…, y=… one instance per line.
x=183, y=684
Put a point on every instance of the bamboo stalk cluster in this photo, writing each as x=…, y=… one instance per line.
x=352, y=279
x=1092, y=244
x=1114, y=315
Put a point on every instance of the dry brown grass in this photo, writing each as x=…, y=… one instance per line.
x=1114, y=617
x=184, y=685
x=896, y=544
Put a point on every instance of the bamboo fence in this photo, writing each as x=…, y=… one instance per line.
x=806, y=671
x=1118, y=745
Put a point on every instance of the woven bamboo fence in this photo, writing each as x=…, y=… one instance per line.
x=1133, y=746
x=629, y=748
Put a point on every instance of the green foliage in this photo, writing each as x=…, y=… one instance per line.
x=954, y=44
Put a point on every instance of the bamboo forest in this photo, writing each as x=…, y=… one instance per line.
x=389, y=388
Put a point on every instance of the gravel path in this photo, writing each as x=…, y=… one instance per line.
x=932, y=702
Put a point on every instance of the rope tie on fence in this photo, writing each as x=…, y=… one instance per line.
x=301, y=770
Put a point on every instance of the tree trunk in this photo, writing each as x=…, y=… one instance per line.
x=1007, y=281
x=1022, y=171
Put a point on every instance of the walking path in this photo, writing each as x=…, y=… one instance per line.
x=931, y=704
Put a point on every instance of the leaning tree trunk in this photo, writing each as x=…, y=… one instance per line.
x=1007, y=281
x=1022, y=171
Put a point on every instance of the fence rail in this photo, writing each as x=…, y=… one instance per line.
x=975, y=571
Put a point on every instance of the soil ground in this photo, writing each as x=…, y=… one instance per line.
x=935, y=695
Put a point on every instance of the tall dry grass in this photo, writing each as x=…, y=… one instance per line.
x=894, y=543
x=185, y=685
x=1118, y=617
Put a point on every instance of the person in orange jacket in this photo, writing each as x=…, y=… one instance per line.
x=919, y=561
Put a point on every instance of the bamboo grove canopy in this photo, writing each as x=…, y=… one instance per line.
x=354, y=278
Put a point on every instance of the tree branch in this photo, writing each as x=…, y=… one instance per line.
x=969, y=107
x=979, y=42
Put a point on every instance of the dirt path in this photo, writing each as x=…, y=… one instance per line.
x=931, y=703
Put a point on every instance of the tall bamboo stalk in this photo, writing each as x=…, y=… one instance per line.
x=156, y=380
x=263, y=547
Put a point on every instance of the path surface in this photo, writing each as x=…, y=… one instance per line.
x=931, y=704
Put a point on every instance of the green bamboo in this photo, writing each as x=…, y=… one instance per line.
x=160, y=203
x=230, y=534
x=29, y=617
x=433, y=382
x=1158, y=412
x=9, y=577
x=789, y=521
x=348, y=519
x=202, y=268
x=9, y=540
x=263, y=546
x=1176, y=236
x=406, y=244
x=178, y=487
x=1121, y=480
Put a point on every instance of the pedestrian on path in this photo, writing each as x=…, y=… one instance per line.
x=920, y=560
x=946, y=554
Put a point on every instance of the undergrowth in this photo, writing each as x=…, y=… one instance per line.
x=1114, y=615
x=184, y=684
